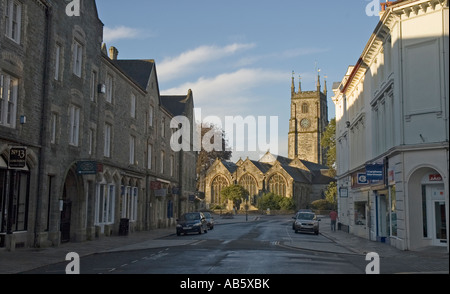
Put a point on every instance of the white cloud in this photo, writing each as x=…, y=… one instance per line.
x=185, y=63
x=120, y=32
x=229, y=88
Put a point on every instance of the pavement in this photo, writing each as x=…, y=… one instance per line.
x=432, y=260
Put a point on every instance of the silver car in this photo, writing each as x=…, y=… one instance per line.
x=306, y=222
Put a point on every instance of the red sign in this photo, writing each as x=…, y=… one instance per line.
x=155, y=185
x=435, y=178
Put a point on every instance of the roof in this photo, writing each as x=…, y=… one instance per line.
x=176, y=105
x=263, y=167
x=230, y=166
x=138, y=70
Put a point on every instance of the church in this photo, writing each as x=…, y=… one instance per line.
x=302, y=176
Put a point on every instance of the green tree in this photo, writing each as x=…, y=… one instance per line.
x=275, y=202
x=329, y=144
x=235, y=193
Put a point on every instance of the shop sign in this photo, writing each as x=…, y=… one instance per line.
x=17, y=157
x=87, y=167
x=435, y=178
x=362, y=179
x=155, y=185
x=343, y=192
x=161, y=193
x=375, y=172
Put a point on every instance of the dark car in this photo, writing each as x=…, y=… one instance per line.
x=192, y=222
x=306, y=222
x=209, y=220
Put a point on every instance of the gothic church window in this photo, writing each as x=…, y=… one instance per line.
x=305, y=108
x=217, y=185
x=249, y=183
x=277, y=185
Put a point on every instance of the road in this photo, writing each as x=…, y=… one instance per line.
x=252, y=248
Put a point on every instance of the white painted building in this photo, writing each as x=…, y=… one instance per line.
x=392, y=122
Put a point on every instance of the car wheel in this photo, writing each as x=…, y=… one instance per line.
x=316, y=232
x=296, y=231
x=178, y=233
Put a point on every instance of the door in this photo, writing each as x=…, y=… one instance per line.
x=440, y=224
x=66, y=214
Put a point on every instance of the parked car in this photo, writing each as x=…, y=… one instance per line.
x=192, y=222
x=209, y=220
x=306, y=222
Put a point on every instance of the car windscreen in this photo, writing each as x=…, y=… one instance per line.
x=191, y=216
x=306, y=216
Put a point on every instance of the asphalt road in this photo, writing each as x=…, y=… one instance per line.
x=253, y=248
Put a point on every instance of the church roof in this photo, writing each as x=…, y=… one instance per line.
x=263, y=167
x=230, y=166
x=296, y=174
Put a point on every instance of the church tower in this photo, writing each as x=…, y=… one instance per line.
x=309, y=119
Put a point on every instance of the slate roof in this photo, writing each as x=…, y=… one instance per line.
x=174, y=104
x=137, y=70
x=231, y=167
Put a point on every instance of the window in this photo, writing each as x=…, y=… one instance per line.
x=109, y=88
x=91, y=141
x=150, y=116
x=107, y=147
x=77, y=58
x=104, y=204
x=54, y=124
x=277, y=185
x=305, y=108
x=150, y=154
x=172, y=166
x=8, y=100
x=74, y=123
x=163, y=127
x=249, y=183
x=93, y=86
x=16, y=191
x=13, y=20
x=217, y=185
x=129, y=202
x=162, y=162
x=133, y=106
x=57, y=61
x=360, y=213
x=132, y=148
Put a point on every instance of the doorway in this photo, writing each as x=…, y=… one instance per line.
x=440, y=224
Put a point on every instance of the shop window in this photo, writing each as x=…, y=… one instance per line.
x=360, y=213
x=393, y=212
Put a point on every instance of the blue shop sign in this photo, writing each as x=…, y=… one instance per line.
x=375, y=172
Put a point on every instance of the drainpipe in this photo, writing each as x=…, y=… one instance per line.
x=45, y=116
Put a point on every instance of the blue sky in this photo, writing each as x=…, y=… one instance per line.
x=238, y=56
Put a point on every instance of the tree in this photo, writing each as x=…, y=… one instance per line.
x=329, y=144
x=235, y=193
x=206, y=158
x=275, y=202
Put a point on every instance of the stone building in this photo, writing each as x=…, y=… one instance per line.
x=93, y=130
x=303, y=176
x=392, y=130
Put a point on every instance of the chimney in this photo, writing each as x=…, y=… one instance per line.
x=113, y=53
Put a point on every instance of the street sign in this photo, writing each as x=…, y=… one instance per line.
x=362, y=179
x=17, y=157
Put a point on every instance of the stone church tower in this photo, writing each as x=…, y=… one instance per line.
x=309, y=119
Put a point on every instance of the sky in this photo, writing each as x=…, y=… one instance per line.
x=238, y=57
